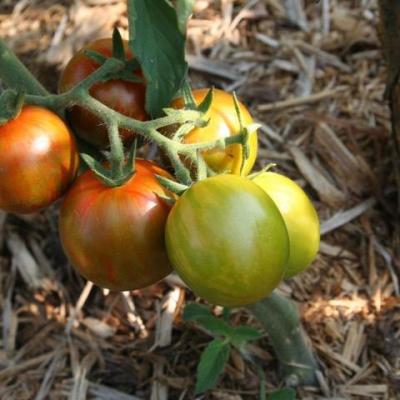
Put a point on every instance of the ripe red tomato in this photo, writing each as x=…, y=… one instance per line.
x=38, y=160
x=128, y=98
x=227, y=240
x=223, y=123
x=114, y=236
x=300, y=218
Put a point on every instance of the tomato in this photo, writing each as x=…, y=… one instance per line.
x=223, y=122
x=300, y=217
x=128, y=98
x=227, y=240
x=38, y=160
x=114, y=236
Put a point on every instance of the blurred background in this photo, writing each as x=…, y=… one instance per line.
x=313, y=75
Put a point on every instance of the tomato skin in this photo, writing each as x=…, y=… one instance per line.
x=115, y=236
x=227, y=240
x=300, y=216
x=39, y=160
x=128, y=98
x=223, y=123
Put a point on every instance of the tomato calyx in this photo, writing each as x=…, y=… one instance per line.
x=172, y=186
x=267, y=168
x=120, y=171
x=131, y=67
x=11, y=103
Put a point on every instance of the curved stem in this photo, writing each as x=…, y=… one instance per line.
x=280, y=319
x=15, y=75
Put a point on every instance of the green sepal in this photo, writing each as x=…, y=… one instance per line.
x=171, y=112
x=190, y=103
x=245, y=148
x=237, y=109
x=11, y=103
x=95, y=56
x=244, y=131
x=118, y=50
x=98, y=169
x=205, y=105
x=171, y=185
x=127, y=76
x=168, y=200
x=132, y=64
x=201, y=167
x=105, y=174
x=130, y=162
x=182, y=131
x=265, y=169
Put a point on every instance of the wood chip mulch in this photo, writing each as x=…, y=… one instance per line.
x=313, y=75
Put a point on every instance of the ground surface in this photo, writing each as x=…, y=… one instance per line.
x=315, y=80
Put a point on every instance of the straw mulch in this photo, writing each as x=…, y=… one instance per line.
x=313, y=75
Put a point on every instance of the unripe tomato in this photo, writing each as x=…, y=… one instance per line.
x=223, y=122
x=114, y=236
x=126, y=97
x=299, y=215
x=227, y=240
x=38, y=160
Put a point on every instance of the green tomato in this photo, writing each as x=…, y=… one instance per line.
x=300, y=217
x=227, y=240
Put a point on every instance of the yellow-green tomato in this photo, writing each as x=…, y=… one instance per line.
x=223, y=122
x=227, y=240
x=300, y=217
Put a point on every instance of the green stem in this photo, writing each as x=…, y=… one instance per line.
x=117, y=150
x=15, y=75
x=280, y=319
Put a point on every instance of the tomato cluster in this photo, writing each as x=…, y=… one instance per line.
x=231, y=237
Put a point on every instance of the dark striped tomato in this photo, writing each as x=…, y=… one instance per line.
x=115, y=236
x=38, y=160
x=227, y=240
x=125, y=97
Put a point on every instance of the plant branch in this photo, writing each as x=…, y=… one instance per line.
x=280, y=319
x=79, y=95
x=15, y=75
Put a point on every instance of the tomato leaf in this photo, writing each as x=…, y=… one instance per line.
x=244, y=334
x=158, y=44
x=184, y=9
x=194, y=311
x=283, y=394
x=211, y=365
x=216, y=326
